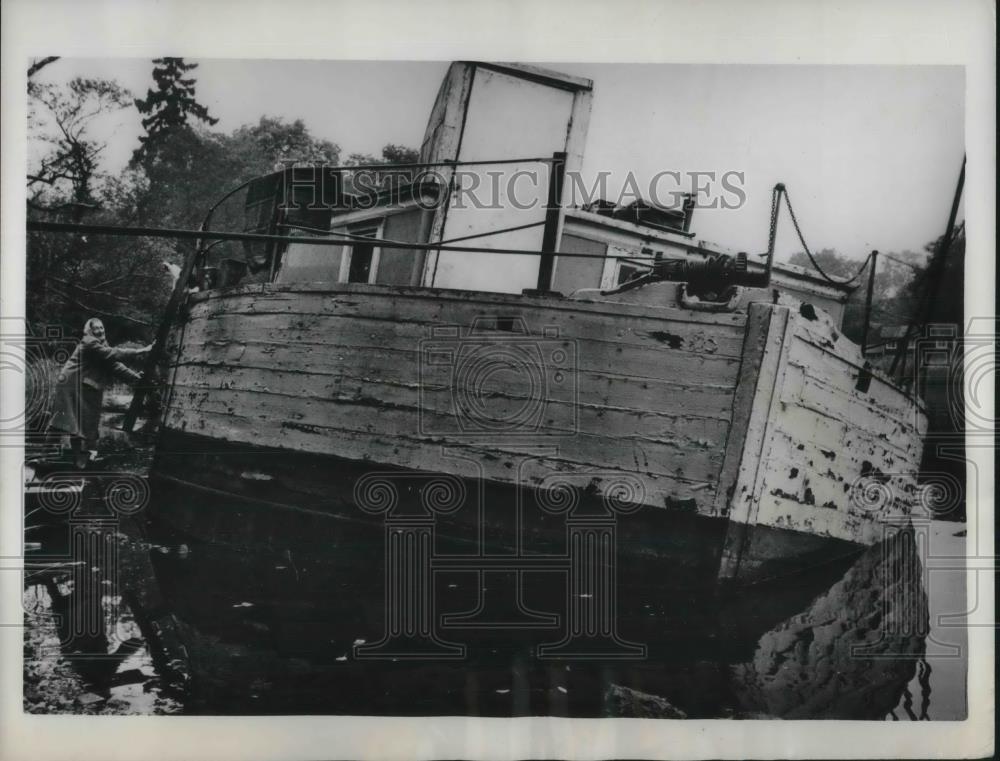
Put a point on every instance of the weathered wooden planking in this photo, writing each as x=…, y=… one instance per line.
x=696, y=385
x=823, y=454
x=834, y=439
x=342, y=376
x=789, y=483
x=644, y=368
x=417, y=319
x=440, y=413
x=274, y=416
x=648, y=362
x=497, y=461
x=398, y=366
x=753, y=353
x=345, y=297
x=669, y=421
x=881, y=404
x=330, y=337
x=693, y=352
x=394, y=366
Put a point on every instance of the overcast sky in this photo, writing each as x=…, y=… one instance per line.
x=870, y=154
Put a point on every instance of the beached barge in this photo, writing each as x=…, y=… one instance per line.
x=391, y=444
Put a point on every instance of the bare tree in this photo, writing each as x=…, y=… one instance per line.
x=61, y=118
x=73, y=276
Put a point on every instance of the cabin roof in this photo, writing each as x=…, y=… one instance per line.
x=650, y=232
x=686, y=240
x=536, y=73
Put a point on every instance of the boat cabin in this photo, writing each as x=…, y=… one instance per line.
x=479, y=197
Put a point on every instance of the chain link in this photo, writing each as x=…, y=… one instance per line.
x=778, y=189
x=773, y=232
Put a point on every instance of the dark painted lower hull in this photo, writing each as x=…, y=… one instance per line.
x=272, y=568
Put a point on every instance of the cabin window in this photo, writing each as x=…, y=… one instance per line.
x=401, y=266
x=361, y=258
x=864, y=381
x=628, y=272
x=361, y=262
x=573, y=273
x=618, y=270
x=304, y=263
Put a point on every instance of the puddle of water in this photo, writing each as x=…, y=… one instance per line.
x=113, y=677
x=938, y=690
x=806, y=666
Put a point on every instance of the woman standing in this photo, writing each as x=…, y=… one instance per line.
x=79, y=393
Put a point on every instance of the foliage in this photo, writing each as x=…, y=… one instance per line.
x=60, y=119
x=198, y=167
x=391, y=154
x=273, y=144
x=71, y=278
x=168, y=108
x=386, y=179
x=945, y=290
x=40, y=64
x=894, y=297
x=181, y=169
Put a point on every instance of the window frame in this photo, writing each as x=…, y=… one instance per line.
x=613, y=265
x=374, y=228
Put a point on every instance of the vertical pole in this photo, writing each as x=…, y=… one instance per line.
x=279, y=216
x=557, y=170
x=688, y=208
x=872, y=261
x=932, y=277
x=772, y=237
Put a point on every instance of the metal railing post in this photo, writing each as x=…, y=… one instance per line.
x=553, y=211
x=873, y=260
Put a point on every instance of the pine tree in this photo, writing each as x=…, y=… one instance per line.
x=168, y=108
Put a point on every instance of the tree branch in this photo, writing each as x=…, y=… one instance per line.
x=40, y=64
x=109, y=282
x=101, y=312
x=52, y=178
x=60, y=207
x=91, y=291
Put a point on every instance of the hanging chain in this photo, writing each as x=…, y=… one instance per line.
x=773, y=232
x=778, y=189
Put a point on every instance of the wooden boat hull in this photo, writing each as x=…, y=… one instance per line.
x=762, y=414
x=353, y=473
x=466, y=383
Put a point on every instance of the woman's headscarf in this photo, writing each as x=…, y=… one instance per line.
x=88, y=329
